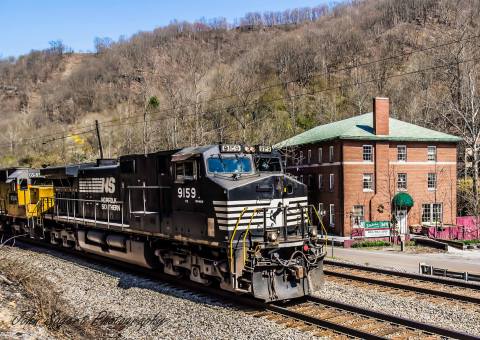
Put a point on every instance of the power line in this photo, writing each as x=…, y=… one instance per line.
x=309, y=93
x=258, y=89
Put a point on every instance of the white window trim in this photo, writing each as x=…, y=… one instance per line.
x=353, y=216
x=371, y=147
x=430, y=208
x=406, y=181
x=435, y=154
x=331, y=213
x=363, y=181
x=331, y=182
x=320, y=155
x=309, y=156
x=406, y=154
x=320, y=181
x=436, y=182
x=331, y=154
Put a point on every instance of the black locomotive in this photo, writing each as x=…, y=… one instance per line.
x=222, y=214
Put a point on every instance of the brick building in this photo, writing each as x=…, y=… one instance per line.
x=375, y=168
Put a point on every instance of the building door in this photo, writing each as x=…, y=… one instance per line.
x=402, y=221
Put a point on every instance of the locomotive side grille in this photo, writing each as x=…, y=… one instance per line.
x=228, y=212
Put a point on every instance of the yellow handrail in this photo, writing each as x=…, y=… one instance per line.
x=245, y=236
x=321, y=223
x=233, y=236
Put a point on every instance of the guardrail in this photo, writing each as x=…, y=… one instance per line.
x=426, y=269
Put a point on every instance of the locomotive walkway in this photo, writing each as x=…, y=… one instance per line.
x=462, y=261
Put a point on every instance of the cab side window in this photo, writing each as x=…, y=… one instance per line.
x=185, y=171
x=23, y=184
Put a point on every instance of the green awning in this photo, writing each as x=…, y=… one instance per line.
x=402, y=200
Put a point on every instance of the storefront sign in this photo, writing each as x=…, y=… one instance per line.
x=377, y=229
x=377, y=224
x=377, y=232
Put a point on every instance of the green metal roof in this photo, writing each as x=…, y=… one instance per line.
x=402, y=200
x=361, y=128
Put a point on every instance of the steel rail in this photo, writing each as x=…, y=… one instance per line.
x=396, y=319
x=445, y=281
x=247, y=301
x=404, y=286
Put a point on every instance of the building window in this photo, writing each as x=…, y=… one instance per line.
x=331, y=182
x=402, y=182
x=367, y=182
x=310, y=182
x=330, y=154
x=432, y=154
x=368, y=153
x=320, y=182
x=432, y=213
x=332, y=214
x=358, y=216
x=402, y=153
x=432, y=181
x=309, y=156
x=300, y=158
x=320, y=155
x=321, y=210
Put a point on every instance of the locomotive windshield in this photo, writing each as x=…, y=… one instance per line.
x=229, y=165
x=268, y=164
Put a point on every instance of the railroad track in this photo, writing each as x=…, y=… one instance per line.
x=346, y=321
x=434, y=288
x=318, y=316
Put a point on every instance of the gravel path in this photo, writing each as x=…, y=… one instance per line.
x=442, y=315
x=109, y=298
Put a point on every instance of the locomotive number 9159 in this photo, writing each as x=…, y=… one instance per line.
x=187, y=192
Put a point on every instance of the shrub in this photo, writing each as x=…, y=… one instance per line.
x=366, y=244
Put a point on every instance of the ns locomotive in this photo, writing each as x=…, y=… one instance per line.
x=225, y=214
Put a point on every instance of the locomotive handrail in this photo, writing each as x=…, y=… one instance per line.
x=82, y=200
x=83, y=216
x=245, y=236
x=321, y=223
x=233, y=236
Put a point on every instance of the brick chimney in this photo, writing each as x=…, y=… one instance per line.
x=381, y=115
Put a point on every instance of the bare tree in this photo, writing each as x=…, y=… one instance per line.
x=462, y=113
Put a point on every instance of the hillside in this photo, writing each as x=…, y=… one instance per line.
x=274, y=75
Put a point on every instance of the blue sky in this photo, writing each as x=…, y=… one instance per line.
x=31, y=24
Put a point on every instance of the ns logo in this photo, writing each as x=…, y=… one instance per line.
x=108, y=184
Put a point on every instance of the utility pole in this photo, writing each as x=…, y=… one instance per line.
x=99, y=139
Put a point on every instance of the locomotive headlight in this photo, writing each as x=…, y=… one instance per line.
x=272, y=236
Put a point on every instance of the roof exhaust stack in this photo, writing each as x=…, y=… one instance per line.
x=381, y=115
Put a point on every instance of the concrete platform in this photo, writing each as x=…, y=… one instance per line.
x=455, y=260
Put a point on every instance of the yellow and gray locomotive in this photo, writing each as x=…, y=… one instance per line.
x=225, y=214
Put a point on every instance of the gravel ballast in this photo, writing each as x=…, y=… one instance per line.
x=441, y=315
x=132, y=307
x=110, y=299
